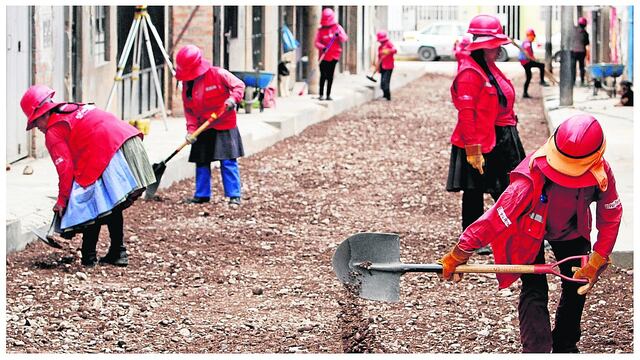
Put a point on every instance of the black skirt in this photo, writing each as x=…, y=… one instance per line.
x=213, y=145
x=499, y=162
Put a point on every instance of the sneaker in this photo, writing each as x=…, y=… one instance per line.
x=118, y=259
x=526, y=96
x=321, y=97
x=329, y=98
x=235, y=201
x=198, y=200
x=544, y=83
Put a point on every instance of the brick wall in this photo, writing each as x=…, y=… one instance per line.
x=199, y=33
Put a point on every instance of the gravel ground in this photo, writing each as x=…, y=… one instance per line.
x=208, y=278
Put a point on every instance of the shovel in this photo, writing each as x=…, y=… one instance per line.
x=369, y=264
x=48, y=238
x=159, y=168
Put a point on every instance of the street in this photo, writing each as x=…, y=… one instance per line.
x=207, y=278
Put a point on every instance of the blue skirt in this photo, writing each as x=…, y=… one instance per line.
x=122, y=182
x=112, y=188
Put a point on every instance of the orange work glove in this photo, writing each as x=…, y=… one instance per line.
x=474, y=157
x=451, y=260
x=591, y=271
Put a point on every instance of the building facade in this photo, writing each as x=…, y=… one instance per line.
x=77, y=50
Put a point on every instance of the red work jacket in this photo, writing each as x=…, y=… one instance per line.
x=477, y=103
x=386, y=61
x=323, y=38
x=208, y=95
x=516, y=225
x=82, y=143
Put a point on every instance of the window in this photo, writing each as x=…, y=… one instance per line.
x=231, y=22
x=100, y=34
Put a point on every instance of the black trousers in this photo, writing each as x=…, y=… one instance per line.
x=533, y=312
x=327, y=68
x=577, y=57
x=527, y=72
x=115, y=223
x=385, y=81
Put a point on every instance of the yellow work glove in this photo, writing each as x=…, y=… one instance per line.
x=474, y=157
x=591, y=271
x=451, y=260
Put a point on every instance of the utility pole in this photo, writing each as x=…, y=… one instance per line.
x=313, y=19
x=566, y=83
x=548, y=51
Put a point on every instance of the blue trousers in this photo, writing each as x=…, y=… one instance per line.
x=230, y=178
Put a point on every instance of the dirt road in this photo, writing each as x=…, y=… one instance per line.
x=207, y=278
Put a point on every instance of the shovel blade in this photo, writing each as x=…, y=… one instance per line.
x=46, y=239
x=158, y=170
x=369, y=248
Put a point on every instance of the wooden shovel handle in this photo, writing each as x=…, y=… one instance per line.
x=199, y=130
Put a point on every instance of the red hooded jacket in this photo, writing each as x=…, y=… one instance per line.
x=323, y=38
x=386, y=61
x=477, y=103
x=515, y=231
x=208, y=95
x=82, y=143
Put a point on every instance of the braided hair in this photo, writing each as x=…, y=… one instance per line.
x=478, y=56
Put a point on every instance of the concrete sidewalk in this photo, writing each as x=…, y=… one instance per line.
x=617, y=123
x=31, y=197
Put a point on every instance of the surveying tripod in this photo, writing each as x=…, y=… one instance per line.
x=139, y=28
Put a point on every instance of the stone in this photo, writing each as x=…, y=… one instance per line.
x=257, y=291
x=184, y=332
x=28, y=170
x=81, y=276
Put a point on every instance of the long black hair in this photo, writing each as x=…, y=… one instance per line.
x=478, y=56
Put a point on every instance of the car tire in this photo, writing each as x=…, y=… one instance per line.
x=427, y=53
x=503, y=55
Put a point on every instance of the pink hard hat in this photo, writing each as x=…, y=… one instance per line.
x=582, y=21
x=35, y=102
x=328, y=17
x=486, y=25
x=382, y=36
x=488, y=33
x=574, y=153
x=190, y=64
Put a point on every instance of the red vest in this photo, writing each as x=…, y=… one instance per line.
x=208, y=95
x=485, y=105
x=323, y=38
x=95, y=136
x=386, y=61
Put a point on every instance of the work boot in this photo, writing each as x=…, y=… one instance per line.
x=234, y=201
x=88, y=261
x=117, y=258
x=198, y=200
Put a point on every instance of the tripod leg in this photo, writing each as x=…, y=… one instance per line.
x=135, y=75
x=123, y=58
x=160, y=44
x=154, y=73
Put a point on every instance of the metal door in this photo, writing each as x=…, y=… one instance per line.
x=18, y=79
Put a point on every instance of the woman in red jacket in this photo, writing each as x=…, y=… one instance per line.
x=206, y=90
x=485, y=142
x=386, y=52
x=329, y=37
x=549, y=198
x=101, y=164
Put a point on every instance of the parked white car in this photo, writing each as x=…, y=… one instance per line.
x=432, y=42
